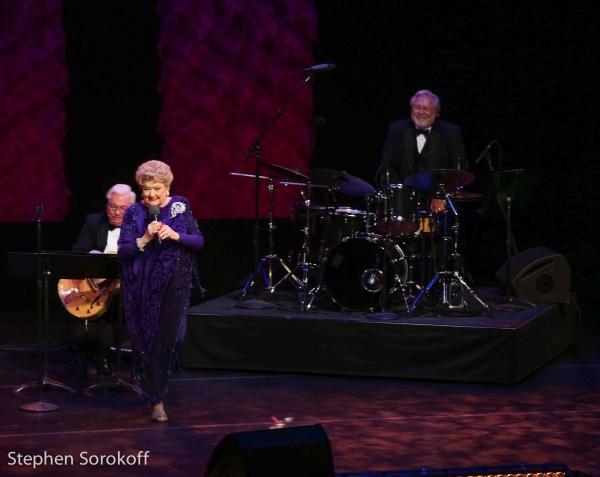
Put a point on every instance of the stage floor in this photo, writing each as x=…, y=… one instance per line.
x=435, y=342
x=373, y=423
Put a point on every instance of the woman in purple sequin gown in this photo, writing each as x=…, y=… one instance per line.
x=159, y=270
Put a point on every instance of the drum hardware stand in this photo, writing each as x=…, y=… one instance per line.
x=379, y=278
x=411, y=285
x=452, y=275
x=323, y=250
x=410, y=279
x=304, y=265
x=369, y=202
x=42, y=289
x=305, y=293
x=426, y=267
x=268, y=277
x=255, y=303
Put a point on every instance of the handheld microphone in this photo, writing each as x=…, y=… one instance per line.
x=483, y=153
x=154, y=211
x=319, y=68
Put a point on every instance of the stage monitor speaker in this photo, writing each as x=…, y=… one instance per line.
x=538, y=275
x=303, y=451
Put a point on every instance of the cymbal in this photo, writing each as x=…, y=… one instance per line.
x=247, y=175
x=341, y=182
x=297, y=176
x=466, y=196
x=429, y=181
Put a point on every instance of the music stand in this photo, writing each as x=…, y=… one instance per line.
x=76, y=265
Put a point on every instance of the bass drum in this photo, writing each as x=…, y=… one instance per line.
x=353, y=271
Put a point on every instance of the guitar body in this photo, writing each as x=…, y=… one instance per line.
x=89, y=298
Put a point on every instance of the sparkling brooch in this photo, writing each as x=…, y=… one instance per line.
x=177, y=208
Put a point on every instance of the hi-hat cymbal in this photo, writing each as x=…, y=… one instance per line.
x=341, y=182
x=297, y=176
x=430, y=181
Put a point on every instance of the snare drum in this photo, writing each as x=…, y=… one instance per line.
x=344, y=223
x=427, y=223
x=397, y=210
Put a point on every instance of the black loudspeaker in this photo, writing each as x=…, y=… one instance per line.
x=303, y=451
x=538, y=275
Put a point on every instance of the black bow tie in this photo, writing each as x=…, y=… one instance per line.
x=424, y=132
x=112, y=227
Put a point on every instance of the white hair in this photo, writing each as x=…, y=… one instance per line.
x=121, y=189
x=434, y=97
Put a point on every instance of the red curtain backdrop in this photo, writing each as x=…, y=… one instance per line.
x=228, y=67
x=33, y=81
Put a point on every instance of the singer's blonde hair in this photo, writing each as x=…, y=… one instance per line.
x=154, y=171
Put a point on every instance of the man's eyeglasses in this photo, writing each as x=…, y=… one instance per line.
x=419, y=108
x=114, y=208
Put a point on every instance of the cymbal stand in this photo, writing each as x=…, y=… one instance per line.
x=448, y=276
x=43, y=306
x=271, y=256
x=255, y=303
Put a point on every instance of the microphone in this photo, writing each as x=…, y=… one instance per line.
x=319, y=68
x=483, y=153
x=153, y=210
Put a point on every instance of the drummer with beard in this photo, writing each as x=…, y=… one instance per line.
x=422, y=142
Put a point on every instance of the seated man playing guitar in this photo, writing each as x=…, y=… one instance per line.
x=99, y=234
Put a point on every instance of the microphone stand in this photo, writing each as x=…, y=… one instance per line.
x=508, y=302
x=255, y=303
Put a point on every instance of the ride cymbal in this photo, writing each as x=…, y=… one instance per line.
x=430, y=181
x=341, y=182
x=292, y=174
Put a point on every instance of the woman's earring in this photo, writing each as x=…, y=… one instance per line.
x=168, y=193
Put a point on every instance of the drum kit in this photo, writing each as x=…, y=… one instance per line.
x=364, y=259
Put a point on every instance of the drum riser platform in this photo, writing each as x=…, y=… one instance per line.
x=504, y=348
